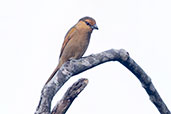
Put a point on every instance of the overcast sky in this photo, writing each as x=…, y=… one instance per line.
x=31, y=35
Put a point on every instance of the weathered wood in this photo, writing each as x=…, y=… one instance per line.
x=147, y=84
x=74, y=67
x=63, y=105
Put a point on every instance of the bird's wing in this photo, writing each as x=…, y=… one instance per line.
x=68, y=36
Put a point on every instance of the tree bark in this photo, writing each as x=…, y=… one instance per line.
x=74, y=67
x=63, y=105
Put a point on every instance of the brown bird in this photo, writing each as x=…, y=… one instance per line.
x=76, y=42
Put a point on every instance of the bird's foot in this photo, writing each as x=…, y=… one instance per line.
x=72, y=59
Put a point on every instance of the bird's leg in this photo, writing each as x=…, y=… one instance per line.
x=72, y=58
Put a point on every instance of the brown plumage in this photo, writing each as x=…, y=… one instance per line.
x=76, y=42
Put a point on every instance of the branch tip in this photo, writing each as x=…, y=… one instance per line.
x=72, y=92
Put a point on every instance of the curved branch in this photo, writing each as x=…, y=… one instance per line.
x=147, y=84
x=74, y=67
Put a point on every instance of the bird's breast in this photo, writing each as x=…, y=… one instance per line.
x=84, y=40
x=81, y=44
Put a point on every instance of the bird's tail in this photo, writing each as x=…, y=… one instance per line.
x=54, y=72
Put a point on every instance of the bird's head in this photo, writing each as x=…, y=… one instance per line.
x=87, y=23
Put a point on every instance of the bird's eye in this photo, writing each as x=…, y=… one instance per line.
x=87, y=23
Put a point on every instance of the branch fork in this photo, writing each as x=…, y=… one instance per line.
x=74, y=67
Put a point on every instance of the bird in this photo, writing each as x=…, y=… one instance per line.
x=76, y=42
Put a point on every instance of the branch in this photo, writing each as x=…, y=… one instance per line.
x=69, y=96
x=147, y=84
x=74, y=67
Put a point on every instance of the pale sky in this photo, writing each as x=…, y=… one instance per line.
x=31, y=35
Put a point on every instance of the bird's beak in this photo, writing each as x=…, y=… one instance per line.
x=94, y=27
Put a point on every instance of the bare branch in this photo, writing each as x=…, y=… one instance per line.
x=69, y=96
x=74, y=67
x=68, y=70
x=147, y=84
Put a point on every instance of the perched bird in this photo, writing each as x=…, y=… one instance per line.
x=76, y=42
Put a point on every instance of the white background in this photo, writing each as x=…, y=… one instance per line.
x=31, y=35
